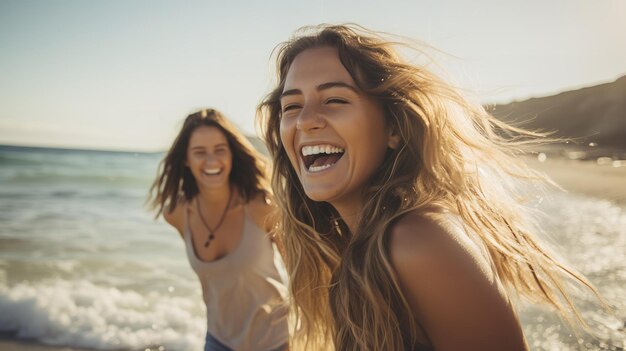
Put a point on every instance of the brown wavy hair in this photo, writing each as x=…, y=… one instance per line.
x=174, y=179
x=452, y=156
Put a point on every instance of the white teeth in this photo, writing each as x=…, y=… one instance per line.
x=212, y=171
x=321, y=149
x=319, y=168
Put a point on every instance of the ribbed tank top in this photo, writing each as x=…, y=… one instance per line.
x=244, y=294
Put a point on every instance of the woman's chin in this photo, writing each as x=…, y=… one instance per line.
x=322, y=195
x=213, y=182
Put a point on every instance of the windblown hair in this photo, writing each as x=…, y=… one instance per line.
x=175, y=181
x=453, y=156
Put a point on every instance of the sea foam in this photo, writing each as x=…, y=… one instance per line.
x=82, y=314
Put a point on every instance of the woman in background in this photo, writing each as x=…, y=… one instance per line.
x=212, y=188
x=401, y=223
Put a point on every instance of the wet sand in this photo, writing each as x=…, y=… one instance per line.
x=11, y=343
x=588, y=178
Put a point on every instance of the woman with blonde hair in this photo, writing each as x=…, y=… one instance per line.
x=401, y=219
x=212, y=188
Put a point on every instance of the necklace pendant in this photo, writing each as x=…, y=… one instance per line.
x=219, y=223
x=208, y=240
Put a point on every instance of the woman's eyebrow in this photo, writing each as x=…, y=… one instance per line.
x=321, y=87
x=330, y=85
x=291, y=92
x=202, y=147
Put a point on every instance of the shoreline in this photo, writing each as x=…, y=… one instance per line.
x=585, y=177
x=9, y=342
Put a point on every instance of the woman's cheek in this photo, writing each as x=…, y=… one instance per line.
x=287, y=132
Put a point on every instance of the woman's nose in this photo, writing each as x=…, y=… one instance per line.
x=310, y=118
x=209, y=158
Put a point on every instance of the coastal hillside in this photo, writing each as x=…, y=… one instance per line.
x=594, y=114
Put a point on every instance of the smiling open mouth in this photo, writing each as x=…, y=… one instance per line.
x=317, y=158
x=212, y=171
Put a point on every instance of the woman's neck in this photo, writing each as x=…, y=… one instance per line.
x=349, y=211
x=215, y=197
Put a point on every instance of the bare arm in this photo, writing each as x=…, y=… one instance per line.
x=451, y=288
x=265, y=214
x=176, y=218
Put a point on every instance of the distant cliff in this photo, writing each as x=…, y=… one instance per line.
x=594, y=114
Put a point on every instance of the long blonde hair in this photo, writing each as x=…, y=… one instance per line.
x=452, y=156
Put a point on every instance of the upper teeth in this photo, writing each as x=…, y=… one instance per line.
x=212, y=170
x=320, y=149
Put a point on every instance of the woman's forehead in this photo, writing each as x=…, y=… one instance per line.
x=207, y=135
x=316, y=66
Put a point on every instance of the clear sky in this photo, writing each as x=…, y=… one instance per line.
x=123, y=74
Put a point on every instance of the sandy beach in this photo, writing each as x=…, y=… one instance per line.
x=10, y=343
x=587, y=177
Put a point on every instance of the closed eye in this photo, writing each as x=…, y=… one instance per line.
x=336, y=101
x=290, y=107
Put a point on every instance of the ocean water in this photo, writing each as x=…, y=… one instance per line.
x=82, y=261
x=84, y=264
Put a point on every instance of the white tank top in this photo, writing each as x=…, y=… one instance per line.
x=244, y=294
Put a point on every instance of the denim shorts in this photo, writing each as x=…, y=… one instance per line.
x=212, y=344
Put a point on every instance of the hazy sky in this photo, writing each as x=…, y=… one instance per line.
x=123, y=74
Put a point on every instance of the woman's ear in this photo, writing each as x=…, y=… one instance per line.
x=394, y=140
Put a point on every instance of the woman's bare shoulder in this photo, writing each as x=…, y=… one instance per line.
x=262, y=211
x=176, y=216
x=450, y=286
x=420, y=235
